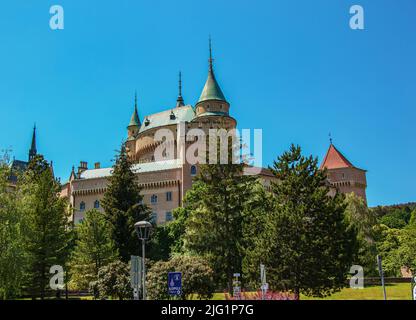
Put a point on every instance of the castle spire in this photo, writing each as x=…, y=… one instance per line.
x=32, y=150
x=210, y=60
x=135, y=120
x=212, y=90
x=179, y=101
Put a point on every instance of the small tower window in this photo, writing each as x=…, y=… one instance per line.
x=193, y=170
x=153, y=199
x=169, y=196
x=82, y=206
x=96, y=204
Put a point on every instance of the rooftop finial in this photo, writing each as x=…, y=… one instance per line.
x=179, y=101
x=180, y=84
x=330, y=138
x=210, y=54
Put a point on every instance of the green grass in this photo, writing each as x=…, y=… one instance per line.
x=394, y=291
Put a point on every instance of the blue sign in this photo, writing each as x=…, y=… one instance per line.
x=174, y=283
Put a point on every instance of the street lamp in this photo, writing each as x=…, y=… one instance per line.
x=143, y=229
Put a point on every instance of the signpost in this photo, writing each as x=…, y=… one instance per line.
x=237, y=286
x=380, y=270
x=264, y=284
x=136, y=275
x=175, y=283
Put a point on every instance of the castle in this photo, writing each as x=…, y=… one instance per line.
x=165, y=183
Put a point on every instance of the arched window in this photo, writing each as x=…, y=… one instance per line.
x=96, y=204
x=193, y=170
x=153, y=199
x=82, y=206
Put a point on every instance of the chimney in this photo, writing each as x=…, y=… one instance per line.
x=97, y=165
x=82, y=167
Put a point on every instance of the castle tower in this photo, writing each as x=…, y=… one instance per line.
x=343, y=175
x=134, y=125
x=32, y=150
x=212, y=99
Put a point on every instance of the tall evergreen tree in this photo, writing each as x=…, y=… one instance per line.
x=214, y=228
x=308, y=246
x=123, y=206
x=46, y=215
x=94, y=249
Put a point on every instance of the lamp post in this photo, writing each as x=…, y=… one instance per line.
x=143, y=229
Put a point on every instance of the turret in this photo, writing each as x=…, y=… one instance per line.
x=342, y=174
x=134, y=125
x=212, y=99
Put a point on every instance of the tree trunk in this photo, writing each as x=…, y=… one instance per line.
x=297, y=293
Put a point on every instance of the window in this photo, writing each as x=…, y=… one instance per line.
x=96, y=204
x=82, y=206
x=193, y=170
x=169, y=196
x=168, y=216
x=153, y=199
x=153, y=219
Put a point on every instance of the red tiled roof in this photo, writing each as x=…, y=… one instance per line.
x=334, y=159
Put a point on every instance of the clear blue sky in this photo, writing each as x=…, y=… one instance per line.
x=293, y=68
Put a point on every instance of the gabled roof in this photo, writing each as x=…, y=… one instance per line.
x=334, y=159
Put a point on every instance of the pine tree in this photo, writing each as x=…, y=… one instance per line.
x=123, y=206
x=308, y=246
x=47, y=219
x=214, y=228
x=94, y=249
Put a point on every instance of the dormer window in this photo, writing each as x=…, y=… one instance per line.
x=172, y=116
x=146, y=122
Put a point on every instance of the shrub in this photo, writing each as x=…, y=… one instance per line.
x=197, y=278
x=270, y=295
x=113, y=281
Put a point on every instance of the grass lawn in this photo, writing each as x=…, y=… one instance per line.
x=394, y=291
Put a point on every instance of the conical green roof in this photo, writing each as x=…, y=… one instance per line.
x=212, y=90
x=134, y=121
